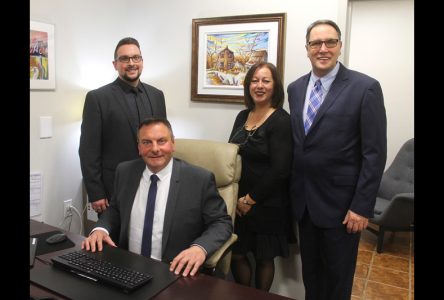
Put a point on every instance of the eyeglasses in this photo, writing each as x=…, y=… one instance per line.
x=126, y=59
x=317, y=44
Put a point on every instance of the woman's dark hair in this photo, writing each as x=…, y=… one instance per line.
x=278, y=89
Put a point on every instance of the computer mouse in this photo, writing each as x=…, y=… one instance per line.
x=56, y=238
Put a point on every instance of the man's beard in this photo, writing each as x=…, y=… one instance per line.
x=125, y=77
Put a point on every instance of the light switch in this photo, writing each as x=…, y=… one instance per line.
x=45, y=127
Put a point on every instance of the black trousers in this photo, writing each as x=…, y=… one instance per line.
x=328, y=260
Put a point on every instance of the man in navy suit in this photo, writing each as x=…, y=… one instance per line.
x=339, y=158
x=190, y=217
x=111, y=115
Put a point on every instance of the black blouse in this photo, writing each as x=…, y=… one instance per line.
x=266, y=153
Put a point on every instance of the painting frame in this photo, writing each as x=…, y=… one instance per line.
x=204, y=30
x=42, y=56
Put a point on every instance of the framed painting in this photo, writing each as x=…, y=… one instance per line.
x=224, y=49
x=41, y=56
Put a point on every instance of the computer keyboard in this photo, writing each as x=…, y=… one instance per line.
x=89, y=265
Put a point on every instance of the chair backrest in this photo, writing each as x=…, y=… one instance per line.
x=399, y=177
x=220, y=158
x=224, y=161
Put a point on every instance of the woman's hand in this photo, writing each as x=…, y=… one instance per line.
x=244, y=205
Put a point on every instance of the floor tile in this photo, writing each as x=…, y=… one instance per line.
x=396, y=249
x=361, y=270
x=358, y=287
x=368, y=241
x=364, y=256
x=379, y=291
x=369, y=246
x=392, y=262
x=389, y=276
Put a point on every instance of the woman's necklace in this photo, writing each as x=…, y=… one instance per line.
x=251, y=129
x=250, y=125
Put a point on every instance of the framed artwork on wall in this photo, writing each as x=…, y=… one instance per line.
x=224, y=49
x=41, y=56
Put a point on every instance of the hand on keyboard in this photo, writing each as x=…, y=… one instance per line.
x=91, y=266
x=96, y=239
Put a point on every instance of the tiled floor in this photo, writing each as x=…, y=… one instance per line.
x=388, y=275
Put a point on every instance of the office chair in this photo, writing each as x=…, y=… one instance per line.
x=224, y=161
x=395, y=200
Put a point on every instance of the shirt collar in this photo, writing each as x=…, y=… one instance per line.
x=128, y=88
x=162, y=173
x=326, y=80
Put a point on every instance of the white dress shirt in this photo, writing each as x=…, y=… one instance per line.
x=139, y=207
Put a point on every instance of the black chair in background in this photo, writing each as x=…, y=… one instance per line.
x=395, y=199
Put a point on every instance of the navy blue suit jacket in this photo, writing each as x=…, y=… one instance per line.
x=195, y=212
x=339, y=164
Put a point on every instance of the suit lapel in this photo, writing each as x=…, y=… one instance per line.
x=336, y=87
x=171, y=203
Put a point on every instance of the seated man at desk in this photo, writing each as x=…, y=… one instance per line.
x=188, y=220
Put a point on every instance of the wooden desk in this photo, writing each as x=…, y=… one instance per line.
x=192, y=288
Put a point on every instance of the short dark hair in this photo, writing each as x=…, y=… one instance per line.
x=156, y=120
x=125, y=41
x=322, y=22
x=278, y=89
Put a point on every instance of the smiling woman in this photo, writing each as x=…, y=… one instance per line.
x=263, y=132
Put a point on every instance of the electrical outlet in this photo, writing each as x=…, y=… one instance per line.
x=66, y=209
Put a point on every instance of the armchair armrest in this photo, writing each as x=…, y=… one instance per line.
x=407, y=196
x=399, y=212
x=212, y=261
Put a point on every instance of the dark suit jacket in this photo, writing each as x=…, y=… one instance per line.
x=339, y=164
x=195, y=212
x=109, y=135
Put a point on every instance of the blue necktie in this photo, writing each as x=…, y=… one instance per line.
x=149, y=216
x=313, y=104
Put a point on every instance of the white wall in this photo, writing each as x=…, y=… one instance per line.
x=86, y=33
x=83, y=55
x=382, y=46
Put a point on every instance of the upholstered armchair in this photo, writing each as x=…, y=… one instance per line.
x=224, y=161
x=395, y=200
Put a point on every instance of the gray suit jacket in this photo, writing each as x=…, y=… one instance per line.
x=339, y=164
x=195, y=212
x=109, y=135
